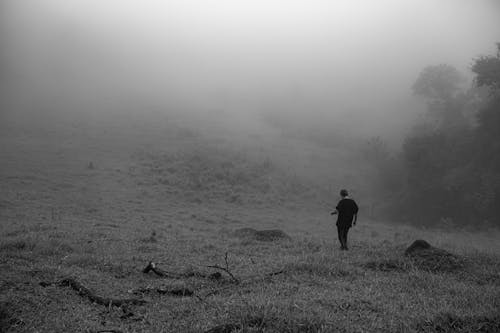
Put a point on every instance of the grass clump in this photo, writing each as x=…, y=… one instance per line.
x=54, y=247
x=429, y=258
x=387, y=265
x=8, y=320
x=48, y=248
x=316, y=269
x=151, y=239
x=272, y=319
x=17, y=245
x=437, y=260
x=450, y=323
x=261, y=235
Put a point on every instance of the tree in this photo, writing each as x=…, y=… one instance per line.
x=441, y=87
x=453, y=172
x=439, y=82
x=487, y=70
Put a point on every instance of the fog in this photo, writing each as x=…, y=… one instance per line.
x=343, y=64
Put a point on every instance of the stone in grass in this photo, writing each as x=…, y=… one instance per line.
x=417, y=245
x=430, y=258
x=261, y=235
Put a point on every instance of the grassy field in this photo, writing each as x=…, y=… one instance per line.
x=99, y=206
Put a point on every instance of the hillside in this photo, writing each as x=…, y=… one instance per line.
x=97, y=203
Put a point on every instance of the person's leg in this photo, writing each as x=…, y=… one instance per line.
x=344, y=236
x=339, y=232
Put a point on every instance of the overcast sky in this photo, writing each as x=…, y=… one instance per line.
x=301, y=56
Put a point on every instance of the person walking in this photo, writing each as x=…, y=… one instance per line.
x=347, y=215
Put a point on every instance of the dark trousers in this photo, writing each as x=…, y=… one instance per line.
x=342, y=231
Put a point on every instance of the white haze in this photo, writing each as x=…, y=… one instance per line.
x=349, y=62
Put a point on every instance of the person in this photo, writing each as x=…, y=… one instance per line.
x=347, y=215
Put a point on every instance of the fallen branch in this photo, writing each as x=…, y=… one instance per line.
x=276, y=273
x=246, y=281
x=85, y=292
x=152, y=267
x=235, y=279
x=226, y=269
x=164, y=291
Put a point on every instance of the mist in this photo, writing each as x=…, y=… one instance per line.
x=343, y=64
x=249, y=165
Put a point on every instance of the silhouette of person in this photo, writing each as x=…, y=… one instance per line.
x=347, y=215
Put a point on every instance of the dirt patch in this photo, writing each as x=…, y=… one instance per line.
x=261, y=235
x=449, y=323
x=427, y=257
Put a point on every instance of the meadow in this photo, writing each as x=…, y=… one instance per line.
x=98, y=204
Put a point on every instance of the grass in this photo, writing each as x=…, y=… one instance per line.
x=370, y=288
x=35, y=247
x=181, y=211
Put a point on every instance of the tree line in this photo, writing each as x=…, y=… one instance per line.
x=448, y=169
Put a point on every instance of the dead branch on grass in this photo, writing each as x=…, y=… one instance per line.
x=275, y=273
x=152, y=267
x=85, y=292
x=181, y=292
x=242, y=282
x=226, y=269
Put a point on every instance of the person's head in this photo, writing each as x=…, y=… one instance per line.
x=344, y=193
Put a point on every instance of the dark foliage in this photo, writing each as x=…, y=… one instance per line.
x=452, y=162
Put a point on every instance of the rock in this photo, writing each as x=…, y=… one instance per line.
x=427, y=257
x=417, y=245
x=261, y=235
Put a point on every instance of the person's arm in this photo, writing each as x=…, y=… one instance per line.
x=336, y=211
x=356, y=209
